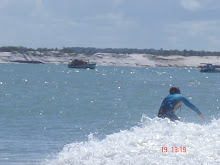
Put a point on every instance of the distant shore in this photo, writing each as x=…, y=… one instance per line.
x=110, y=59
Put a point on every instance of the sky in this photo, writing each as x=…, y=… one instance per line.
x=142, y=24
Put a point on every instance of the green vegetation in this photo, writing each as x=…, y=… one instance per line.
x=90, y=51
x=15, y=49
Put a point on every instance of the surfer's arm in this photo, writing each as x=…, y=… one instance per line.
x=191, y=106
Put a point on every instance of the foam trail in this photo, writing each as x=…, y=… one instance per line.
x=143, y=145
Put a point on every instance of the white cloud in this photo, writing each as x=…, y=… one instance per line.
x=39, y=3
x=114, y=19
x=194, y=28
x=214, y=40
x=118, y=2
x=191, y=4
x=3, y=3
x=200, y=34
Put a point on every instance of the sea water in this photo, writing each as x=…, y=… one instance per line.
x=53, y=115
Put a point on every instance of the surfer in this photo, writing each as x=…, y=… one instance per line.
x=172, y=102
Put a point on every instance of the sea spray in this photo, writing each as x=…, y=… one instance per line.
x=155, y=141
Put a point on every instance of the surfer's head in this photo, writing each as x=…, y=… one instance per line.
x=174, y=90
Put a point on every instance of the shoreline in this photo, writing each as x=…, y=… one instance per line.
x=110, y=59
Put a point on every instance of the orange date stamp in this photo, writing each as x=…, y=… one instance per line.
x=173, y=149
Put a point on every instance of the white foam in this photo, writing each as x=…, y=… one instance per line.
x=143, y=145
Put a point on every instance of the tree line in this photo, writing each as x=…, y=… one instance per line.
x=91, y=51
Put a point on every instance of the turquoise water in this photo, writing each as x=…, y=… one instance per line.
x=51, y=114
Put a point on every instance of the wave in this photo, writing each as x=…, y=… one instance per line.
x=154, y=141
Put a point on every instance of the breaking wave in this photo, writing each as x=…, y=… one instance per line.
x=154, y=141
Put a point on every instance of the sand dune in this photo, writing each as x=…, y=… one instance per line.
x=108, y=59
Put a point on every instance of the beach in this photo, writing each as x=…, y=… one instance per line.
x=110, y=59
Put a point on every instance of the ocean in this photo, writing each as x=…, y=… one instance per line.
x=53, y=115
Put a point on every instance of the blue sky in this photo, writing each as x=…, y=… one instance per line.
x=167, y=24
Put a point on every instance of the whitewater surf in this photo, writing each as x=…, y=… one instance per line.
x=154, y=141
